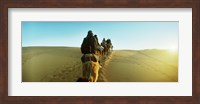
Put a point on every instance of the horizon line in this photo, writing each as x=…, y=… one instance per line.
x=113, y=49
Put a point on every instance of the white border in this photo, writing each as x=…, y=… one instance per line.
x=181, y=88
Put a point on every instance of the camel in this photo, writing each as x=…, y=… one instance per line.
x=90, y=70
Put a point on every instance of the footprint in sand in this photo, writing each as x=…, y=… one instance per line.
x=55, y=76
x=62, y=78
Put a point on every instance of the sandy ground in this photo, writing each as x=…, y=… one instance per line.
x=142, y=66
x=51, y=64
x=62, y=64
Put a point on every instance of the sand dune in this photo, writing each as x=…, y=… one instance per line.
x=51, y=64
x=62, y=64
x=142, y=66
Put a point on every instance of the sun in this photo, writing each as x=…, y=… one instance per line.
x=173, y=48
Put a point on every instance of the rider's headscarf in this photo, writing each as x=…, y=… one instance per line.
x=90, y=34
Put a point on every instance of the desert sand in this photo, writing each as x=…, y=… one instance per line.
x=63, y=64
x=141, y=66
x=51, y=64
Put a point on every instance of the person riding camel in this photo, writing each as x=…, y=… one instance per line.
x=109, y=44
x=96, y=39
x=99, y=47
x=103, y=43
x=89, y=48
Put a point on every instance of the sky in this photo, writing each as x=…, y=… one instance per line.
x=124, y=35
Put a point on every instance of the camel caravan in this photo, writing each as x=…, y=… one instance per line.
x=93, y=52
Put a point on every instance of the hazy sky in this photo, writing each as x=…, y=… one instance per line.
x=124, y=35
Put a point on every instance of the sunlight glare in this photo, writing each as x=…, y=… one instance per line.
x=173, y=49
